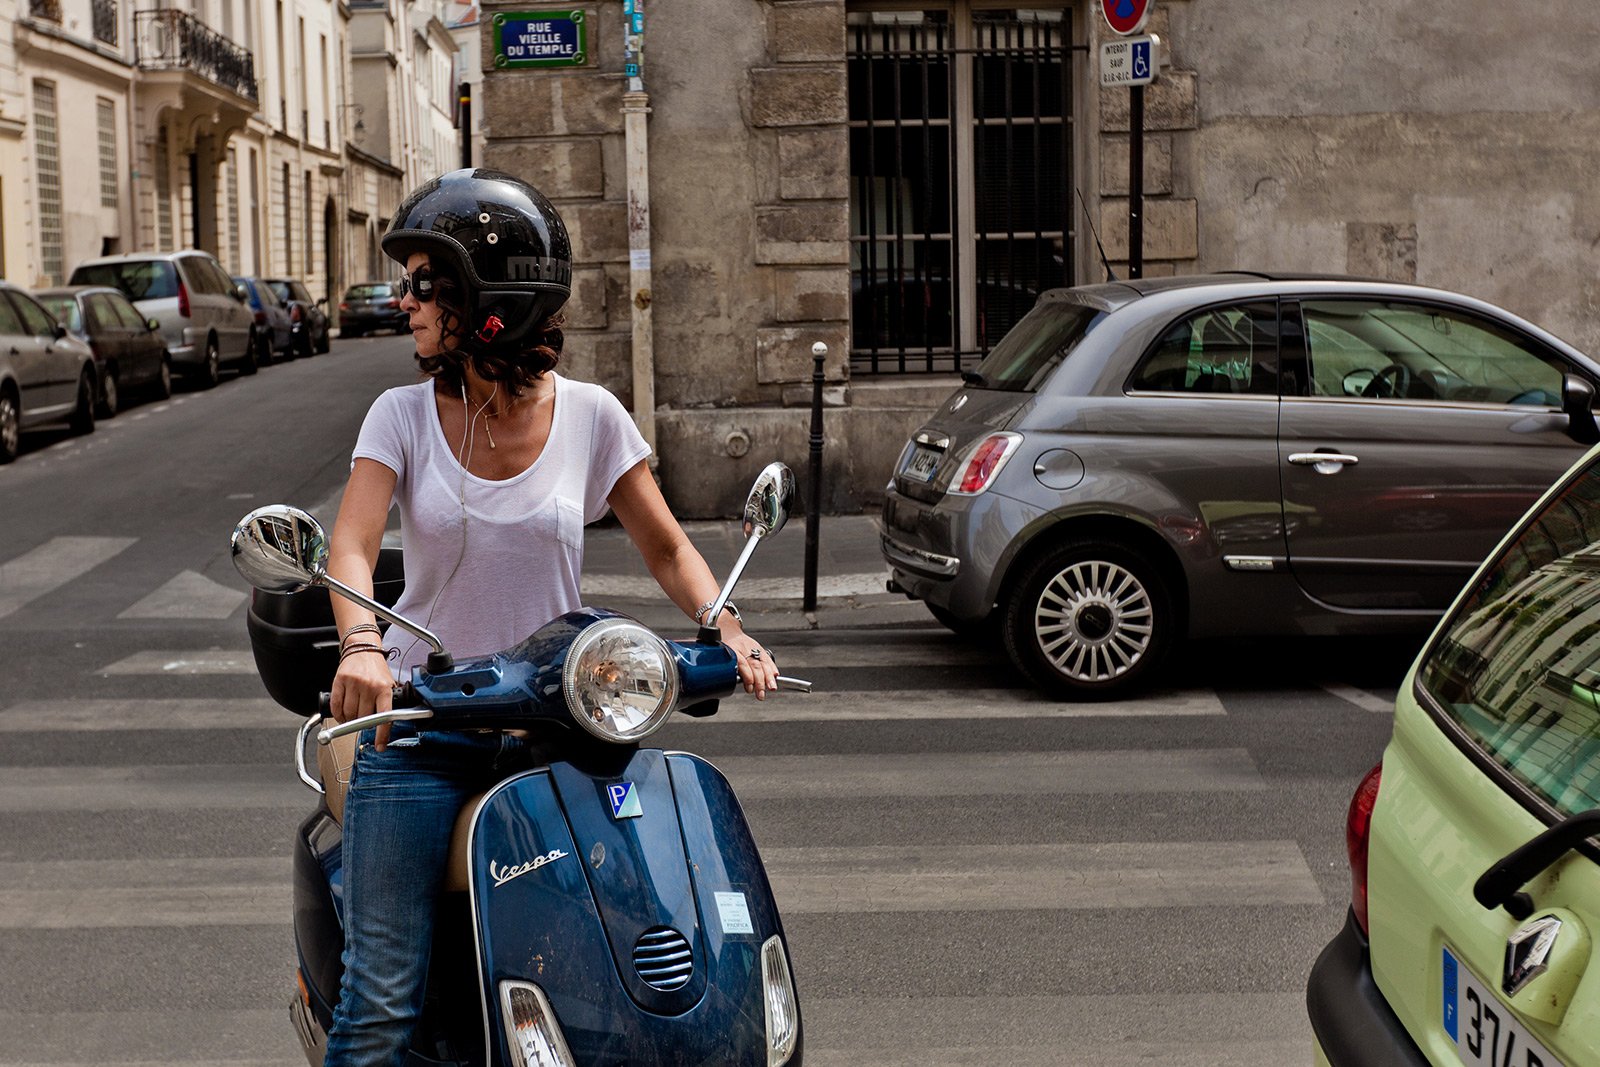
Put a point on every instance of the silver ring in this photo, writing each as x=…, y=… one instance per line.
x=755, y=653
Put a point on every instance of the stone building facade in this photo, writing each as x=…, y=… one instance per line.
x=899, y=179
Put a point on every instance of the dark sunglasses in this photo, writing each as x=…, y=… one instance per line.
x=422, y=282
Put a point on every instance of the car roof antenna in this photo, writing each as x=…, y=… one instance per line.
x=1111, y=275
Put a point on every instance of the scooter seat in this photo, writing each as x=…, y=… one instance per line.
x=334, y=761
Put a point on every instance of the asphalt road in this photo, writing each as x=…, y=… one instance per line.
x=968, y=874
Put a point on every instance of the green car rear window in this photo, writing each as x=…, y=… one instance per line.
x=1034, y=347
x=1518, y=667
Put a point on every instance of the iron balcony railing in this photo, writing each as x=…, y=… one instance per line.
x=176, y=40
x=103, y=20
x=49, y=10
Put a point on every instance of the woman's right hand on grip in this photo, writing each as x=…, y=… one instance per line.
x=362, y=686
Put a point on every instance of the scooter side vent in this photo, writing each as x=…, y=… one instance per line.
x=663, y=958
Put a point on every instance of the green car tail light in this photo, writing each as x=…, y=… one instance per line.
x=1357, y=832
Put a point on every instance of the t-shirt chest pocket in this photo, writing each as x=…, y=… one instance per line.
x=569, y=522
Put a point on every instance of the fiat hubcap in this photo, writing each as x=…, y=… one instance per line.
x=1094, y=621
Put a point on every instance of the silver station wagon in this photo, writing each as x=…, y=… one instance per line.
x=1227, y=455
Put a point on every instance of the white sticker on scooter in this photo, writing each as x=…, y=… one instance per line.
x=735, y=913
x=624, y=801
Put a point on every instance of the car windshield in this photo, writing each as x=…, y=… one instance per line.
x=1518, y=665
x=148, y=279
x=281, y=289
x=367, y=292
x=1038, y=344
x=65, y=309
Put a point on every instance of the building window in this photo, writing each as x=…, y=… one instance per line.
x=107, y=114
x=163, y=192
x=103, y=20
x=47, y=156
x=235, y=255
x=288, y=221
x=960, y=178
x=309, y=232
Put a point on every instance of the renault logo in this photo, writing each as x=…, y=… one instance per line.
x=1528, y=953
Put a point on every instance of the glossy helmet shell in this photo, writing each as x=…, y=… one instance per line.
x=504, y=238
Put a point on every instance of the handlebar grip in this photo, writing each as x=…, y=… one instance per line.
x=798, y=685
x=403, y=706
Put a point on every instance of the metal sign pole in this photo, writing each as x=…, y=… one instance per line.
x=1136, y=182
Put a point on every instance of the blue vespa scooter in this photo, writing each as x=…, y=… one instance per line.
x=607, y=909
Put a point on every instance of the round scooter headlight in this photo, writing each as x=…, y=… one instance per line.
x=620, y=681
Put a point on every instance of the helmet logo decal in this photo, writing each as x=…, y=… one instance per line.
x=490, y=328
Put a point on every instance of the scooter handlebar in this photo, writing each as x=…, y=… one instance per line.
x=405, y=709
x=798, y=685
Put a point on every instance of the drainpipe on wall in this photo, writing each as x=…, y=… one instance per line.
x=636, y=145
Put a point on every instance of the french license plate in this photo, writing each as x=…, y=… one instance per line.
x=1484, y=1030
x=924, y=461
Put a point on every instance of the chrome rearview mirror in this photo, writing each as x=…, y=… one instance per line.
x=766, y=509
x=280, y=549
x=771, y=497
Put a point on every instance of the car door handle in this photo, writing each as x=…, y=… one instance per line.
x=1324, y=462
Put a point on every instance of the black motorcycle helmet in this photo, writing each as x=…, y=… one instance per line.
x=504, y=240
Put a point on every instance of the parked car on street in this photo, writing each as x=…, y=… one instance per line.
x=203, y=318
x=1475, y=880
x=275, y=335
x=1237, y=454
x=369, y=306
x=308, y=316
x=46, y=374
x=128, y=350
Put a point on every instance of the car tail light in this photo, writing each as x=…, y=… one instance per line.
x=261, y=317
x=982, y=462
x=1357, y=832
x=391, y=303
x=294, y=313
x=344, y=305
x=183, y=299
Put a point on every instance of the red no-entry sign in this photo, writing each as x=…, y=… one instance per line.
x=1126, y=16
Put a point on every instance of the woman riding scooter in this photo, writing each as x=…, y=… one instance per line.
x=496, y=464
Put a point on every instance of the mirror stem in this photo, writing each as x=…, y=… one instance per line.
x=439, y=661
x=710, y=627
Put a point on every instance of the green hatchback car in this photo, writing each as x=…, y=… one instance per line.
x=1475, y=904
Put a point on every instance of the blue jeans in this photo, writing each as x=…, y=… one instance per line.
x=398, y=815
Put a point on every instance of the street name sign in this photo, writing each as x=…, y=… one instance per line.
x=1126, y=16
x=1130, y=61
x=539, y=39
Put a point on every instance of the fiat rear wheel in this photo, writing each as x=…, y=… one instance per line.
x=1090, y=620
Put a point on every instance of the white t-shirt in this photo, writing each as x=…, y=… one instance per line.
x=516, y=563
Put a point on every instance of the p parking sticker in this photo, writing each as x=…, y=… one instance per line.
x=624, y=801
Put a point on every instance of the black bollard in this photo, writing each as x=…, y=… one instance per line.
x=819, y=352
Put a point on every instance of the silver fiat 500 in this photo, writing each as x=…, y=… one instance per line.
x=1235, y=454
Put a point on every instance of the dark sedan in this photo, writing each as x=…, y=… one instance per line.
x=369, y=306
x=128, y=350
x=306, y=315
x=1240, y=454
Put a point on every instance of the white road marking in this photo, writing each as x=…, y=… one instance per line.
x=206, y=661
x=52, y=565
x=856, y=705
x=1359, y=697
x=189, y=595
x=171, y=714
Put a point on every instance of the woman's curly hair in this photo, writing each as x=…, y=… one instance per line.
x=513, y=367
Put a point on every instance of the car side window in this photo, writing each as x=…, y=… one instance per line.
x=35, y=319
x=127, y=314
x=1228, y=350
x=9, y=322
x=224, y=284
x=1386, y=350
x=199, y=279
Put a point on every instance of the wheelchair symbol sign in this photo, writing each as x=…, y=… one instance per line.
x=1141, y=59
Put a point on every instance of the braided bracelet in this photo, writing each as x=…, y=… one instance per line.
x=353, y=649
x=359, y=628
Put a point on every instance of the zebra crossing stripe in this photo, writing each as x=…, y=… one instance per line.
x=188, y=595
x=101, y=715
x=202, y=661
x=228, y=891
x=200, y=1036
x=1359, y=697
x=909, y=704
x=1239, y=1029
x=52, y=565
